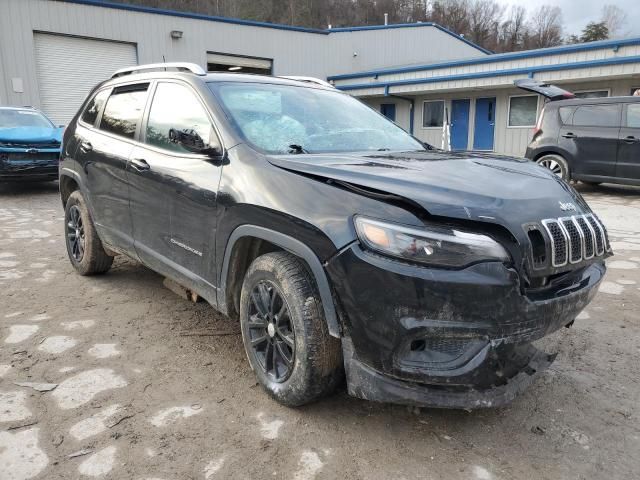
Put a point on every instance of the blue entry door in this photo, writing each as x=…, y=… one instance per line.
x=459, y=124
x=485, y=123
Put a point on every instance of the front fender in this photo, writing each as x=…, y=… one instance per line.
x=293, y=246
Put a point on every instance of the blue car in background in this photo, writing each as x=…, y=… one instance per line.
x=29, y=145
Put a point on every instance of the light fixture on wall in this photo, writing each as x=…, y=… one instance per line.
x=176, y=34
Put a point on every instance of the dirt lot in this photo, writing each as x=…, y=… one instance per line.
x=143, y=394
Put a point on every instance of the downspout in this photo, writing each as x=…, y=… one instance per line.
x=412, y=104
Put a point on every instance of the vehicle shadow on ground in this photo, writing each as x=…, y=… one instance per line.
x=27, y=188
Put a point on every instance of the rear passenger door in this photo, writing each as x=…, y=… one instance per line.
x=629, y=143
x=105, y=141
x=173, y=191
x=590, y=133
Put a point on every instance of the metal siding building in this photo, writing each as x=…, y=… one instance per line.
x=53, y=52
x=26, y=25
x=608, y=68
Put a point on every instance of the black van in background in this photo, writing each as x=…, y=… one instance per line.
x=593, y=140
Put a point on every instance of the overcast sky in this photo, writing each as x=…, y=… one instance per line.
x=577, y=13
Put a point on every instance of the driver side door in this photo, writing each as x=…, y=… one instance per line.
x=173, y=190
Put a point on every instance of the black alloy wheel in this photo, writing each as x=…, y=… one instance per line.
x=271, y=331
x=75, y=234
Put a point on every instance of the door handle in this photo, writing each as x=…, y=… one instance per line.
x=570, y=135
x=140, y=164
x=86, y=146
x=631, y=139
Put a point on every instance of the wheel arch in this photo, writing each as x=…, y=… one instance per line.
x=68, y=185
x=250, y=233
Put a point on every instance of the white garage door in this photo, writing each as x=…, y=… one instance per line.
x=69, y=67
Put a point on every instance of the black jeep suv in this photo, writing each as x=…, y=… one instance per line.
x=593, y=140
x=340, y=242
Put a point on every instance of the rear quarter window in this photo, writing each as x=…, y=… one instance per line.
x=566, y=114
x=597, y=116
x=123, y=111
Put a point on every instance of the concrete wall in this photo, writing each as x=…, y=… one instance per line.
x=293, y=52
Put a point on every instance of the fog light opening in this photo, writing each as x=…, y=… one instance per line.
x=418, y=346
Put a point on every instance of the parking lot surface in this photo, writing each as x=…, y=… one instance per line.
x=115, y=376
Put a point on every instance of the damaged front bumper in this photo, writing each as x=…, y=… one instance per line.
x=444, y=338
x=18, y=165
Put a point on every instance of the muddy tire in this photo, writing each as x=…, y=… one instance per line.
x=85, y=250
x=557, y=164
x=285, y=333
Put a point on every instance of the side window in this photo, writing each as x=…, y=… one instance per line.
x=597, y=116
x=93, y=108
x=566, y=114
x=176, y=107
x=124, y=109
x=633, y=115
x=432, y=114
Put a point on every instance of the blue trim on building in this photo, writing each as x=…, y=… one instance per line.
x=529, y=71
x=494, y=58
x=253, y=23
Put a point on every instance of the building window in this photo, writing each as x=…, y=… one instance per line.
x=221, y=62
x=432, y=114
x=592, y=94
x=523, y=111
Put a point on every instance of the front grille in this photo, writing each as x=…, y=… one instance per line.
x=47, y=145
x=574, y=239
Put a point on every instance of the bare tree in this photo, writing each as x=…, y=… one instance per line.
x=513, y=30
x=614, y=19
x=484, y=22
x=545, y=27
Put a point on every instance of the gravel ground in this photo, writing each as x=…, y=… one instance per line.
x=145, y=392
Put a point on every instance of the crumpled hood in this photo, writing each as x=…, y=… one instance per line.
x=466, y=185
x=30, y=135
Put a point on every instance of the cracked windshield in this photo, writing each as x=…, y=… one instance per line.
x=285, y=119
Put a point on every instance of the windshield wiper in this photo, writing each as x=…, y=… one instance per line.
x=297, y=149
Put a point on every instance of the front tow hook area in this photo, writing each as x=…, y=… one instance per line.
x=366, y=383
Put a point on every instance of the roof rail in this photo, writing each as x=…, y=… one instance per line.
x=317, y=81
x=179, y=66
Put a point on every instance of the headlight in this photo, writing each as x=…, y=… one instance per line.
x=434, y=245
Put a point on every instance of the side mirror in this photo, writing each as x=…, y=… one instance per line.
x=190, y=140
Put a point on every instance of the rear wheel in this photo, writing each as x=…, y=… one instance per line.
x=85, y=250
x=556, y=164
x=284, y=331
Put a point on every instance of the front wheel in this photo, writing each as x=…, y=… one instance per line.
x=556, y=164
x=85, y=250
x=284, y=331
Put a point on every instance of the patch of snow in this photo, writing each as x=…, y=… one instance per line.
x=309, y=466
x=172, y=414
x=104, y=350
x=269, y=428
x=20, y=456
x=93, y=425
x=19, y=333
x=100, y=463
x=13, y=406
x=77, y=324
x=82, y=387
x=57, y=344
x=213, y=467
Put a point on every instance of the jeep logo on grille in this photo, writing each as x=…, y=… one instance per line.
x=566, y=207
